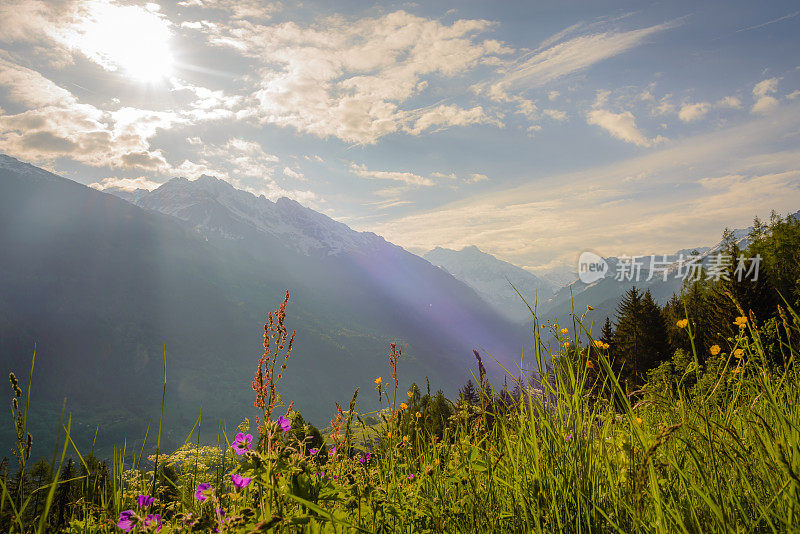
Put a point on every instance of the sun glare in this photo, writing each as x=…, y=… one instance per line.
x=131, y=39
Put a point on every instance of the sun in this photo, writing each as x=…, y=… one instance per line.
x=132, y=40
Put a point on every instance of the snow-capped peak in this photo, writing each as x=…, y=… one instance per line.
x=214, y=205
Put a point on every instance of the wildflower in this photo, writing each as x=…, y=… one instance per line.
x=284, y=423
x=419, y=415
x=332, y=451
x=741, y=322
x=714, y=350
x=389, y=435
x=204, y=489
x=638, y=420
x=542, y=326
x=565, y=344
x=410, y=394
x=683, y=323
x=436, y=461
x=738, y=353
x=598, y=343
x=411, y=476
x=605, y=346
x=403, y=405
x=242, y=443
x=568, y=438
x=313, y=452
x=239, y=481
x=589, y=308
x=564, y=331
x=144, y=501
x=153, y=519
x=127, y=520
x=405, y=439
x=589, y=364
x=378, y=381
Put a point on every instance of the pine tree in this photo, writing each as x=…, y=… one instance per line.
x=640, y=338
x=469, y=394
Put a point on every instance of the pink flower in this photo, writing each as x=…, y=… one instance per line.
x=242, y=443
x=284, y=423
x=239, y=481
x=153, y=519
x=127, y=520
x=144, y=501
x=203, y=491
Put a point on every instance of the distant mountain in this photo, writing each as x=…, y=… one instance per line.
x=492, y=279
x=101, y=286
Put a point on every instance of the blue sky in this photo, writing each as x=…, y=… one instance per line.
x=533, y=130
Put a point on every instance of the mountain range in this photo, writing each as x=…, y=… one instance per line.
x=494, y=280
x=103, y=286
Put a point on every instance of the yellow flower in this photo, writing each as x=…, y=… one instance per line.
x=589, y=364
x=403, y=405
x=598, y=343
x=389, y=435
x=714, y=350
x=605, y=346
x=741, y=322
x=436, y=461
x=542, y=325
x=405, y=439
x=564, y=331
x=555, y=325
x=738, y=353
x=410, y=394
x=638, y=420
x=565, y=344
x=378, y=381
x=683, y=323
x=419, y=415
x=589, y=308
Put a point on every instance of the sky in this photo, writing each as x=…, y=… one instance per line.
x=534, y=130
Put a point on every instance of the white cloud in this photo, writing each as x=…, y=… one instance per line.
x=556, y=114
x=292, y=173
x=762, y=94
x=622, y=126
x=558, y=58
x=349, y=78
x=444, y=116
x=125, y=184
x=477, y=177
x=693, y=112
x=730, y=102
x=399, y=176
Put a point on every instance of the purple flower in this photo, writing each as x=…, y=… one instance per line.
x=127, y=520
x=313, y=452
x=203, y=491
x=242, y=443
x=144, y=501
x=568, y=438
x=411, y=476
x=220, y=512
x=239, y=481
x=153, y=519
x=284, y=423
x=332, y=451
x=361, y=460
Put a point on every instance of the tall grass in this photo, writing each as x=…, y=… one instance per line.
x=573, y=452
